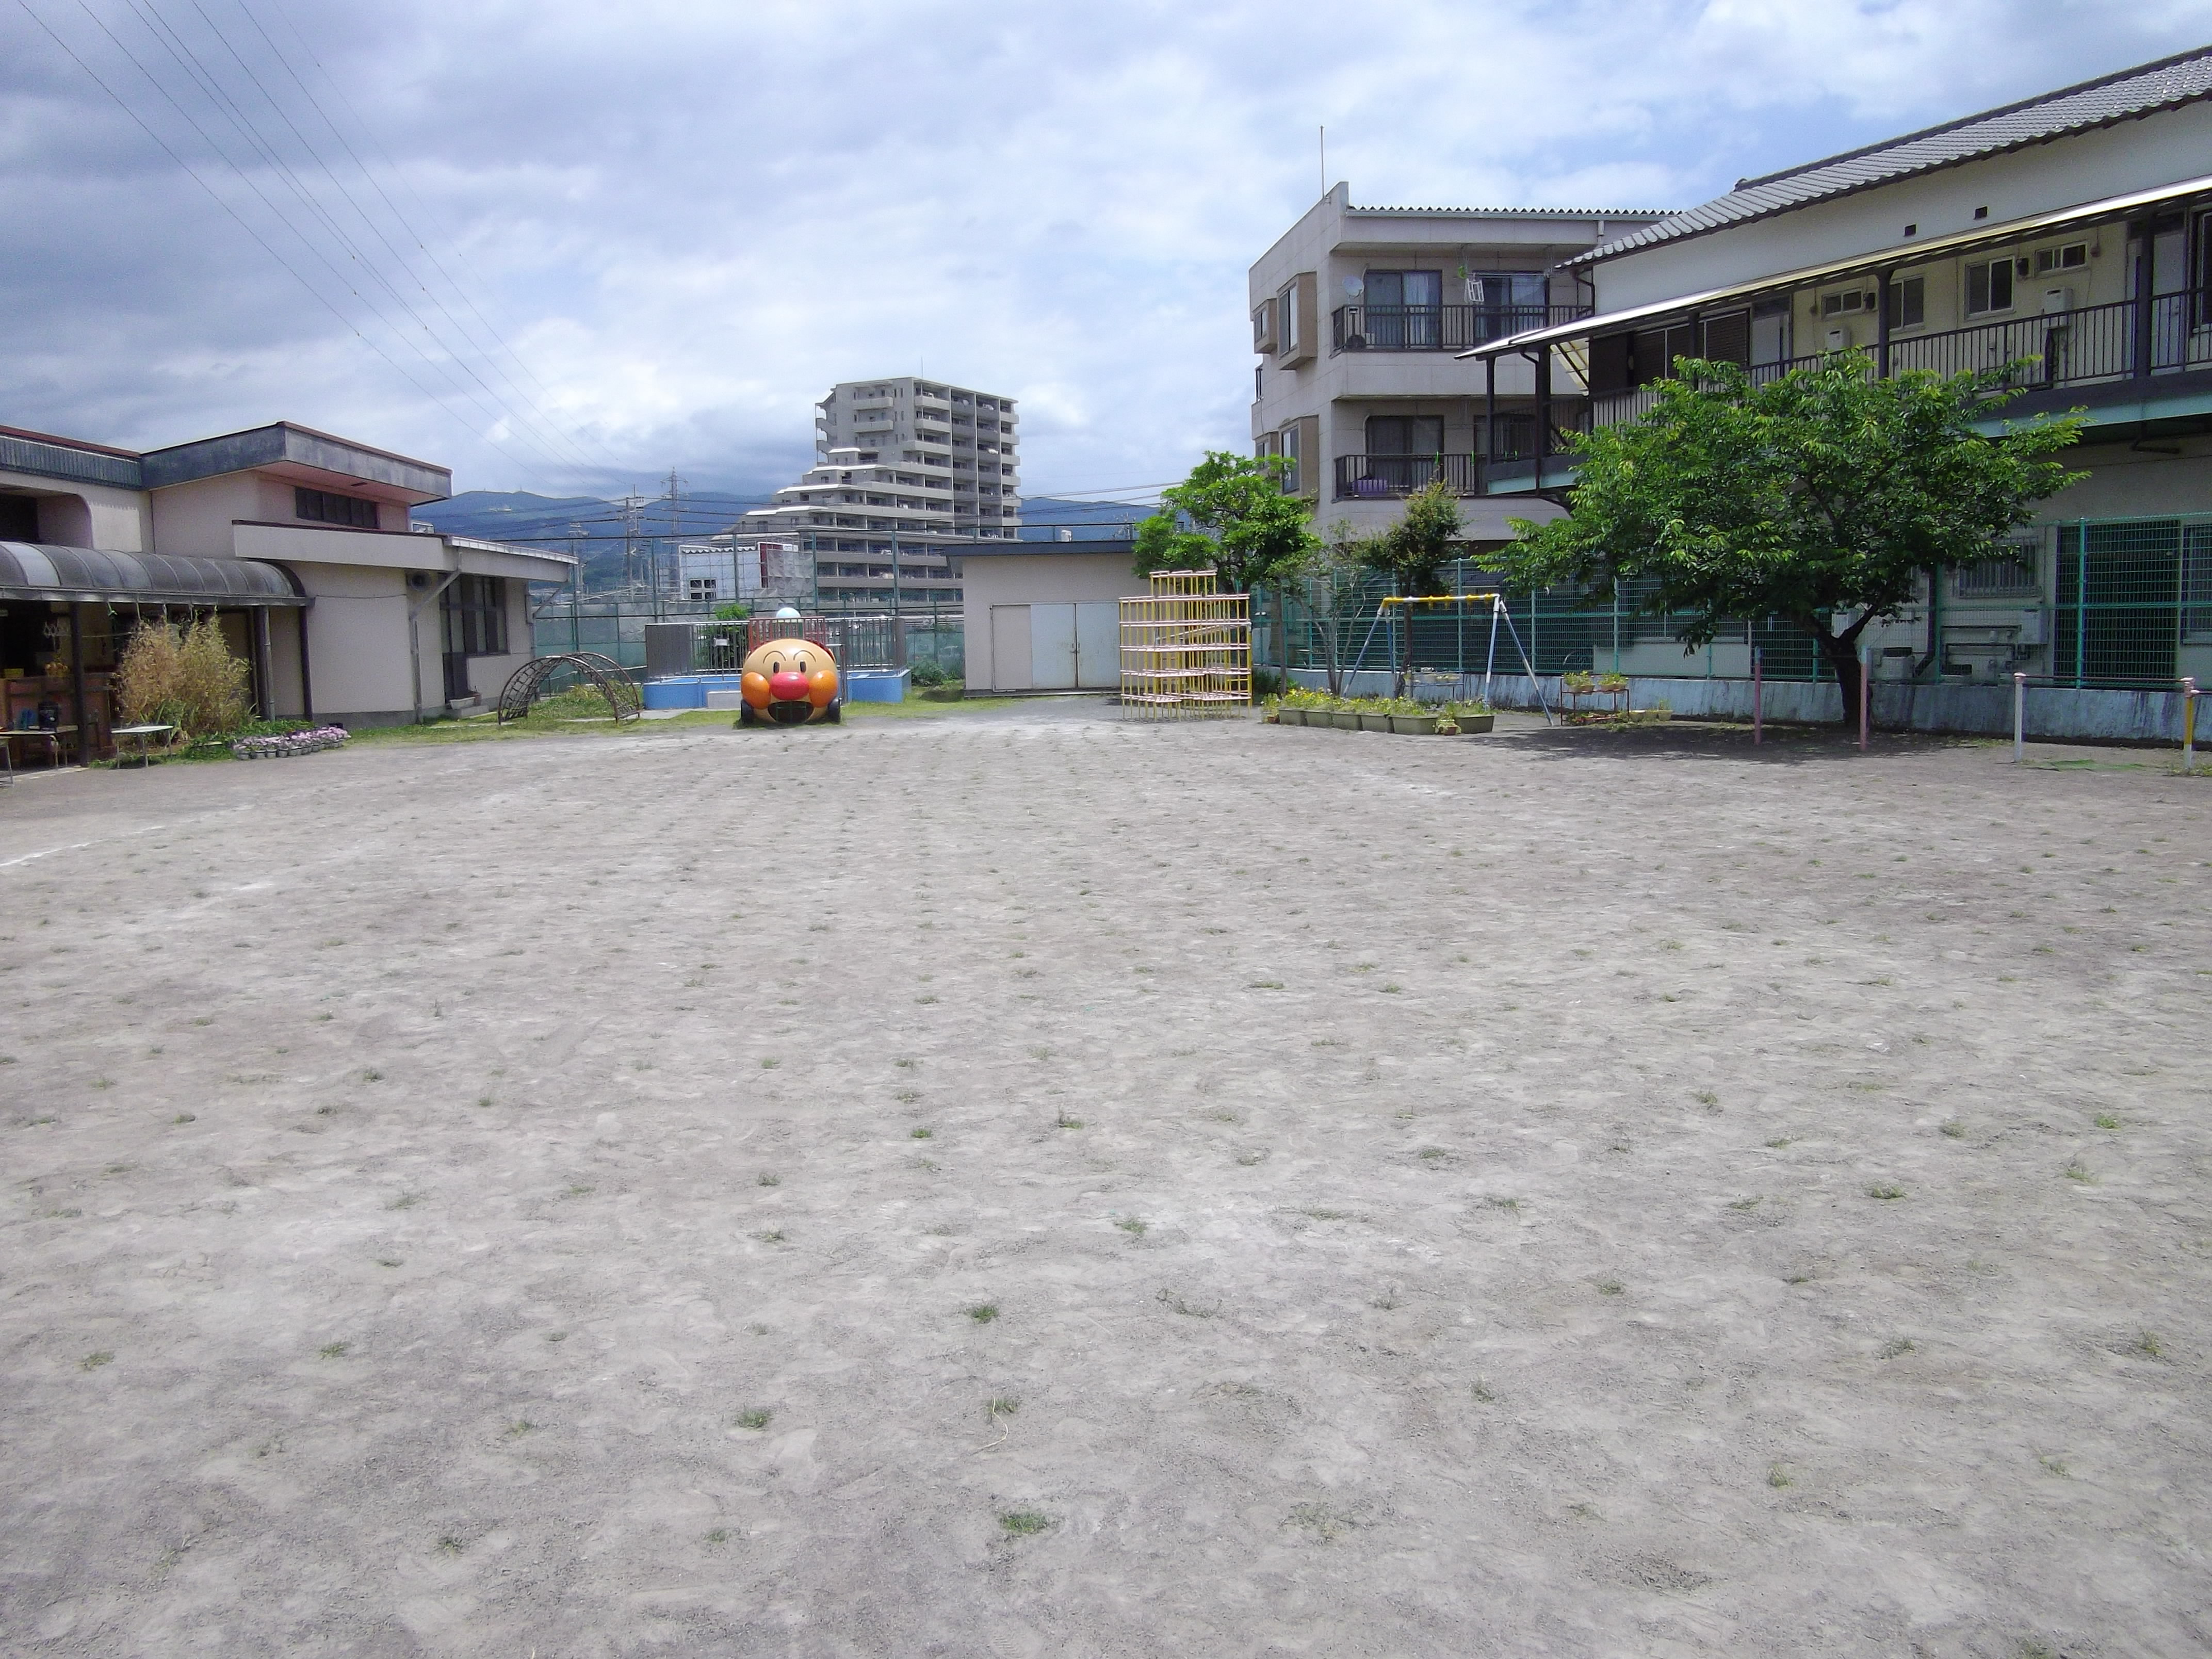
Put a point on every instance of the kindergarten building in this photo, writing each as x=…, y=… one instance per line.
x=299, y=542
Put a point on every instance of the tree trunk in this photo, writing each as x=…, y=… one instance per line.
x=1842, y=651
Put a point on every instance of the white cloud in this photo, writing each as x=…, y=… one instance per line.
x=689, y=220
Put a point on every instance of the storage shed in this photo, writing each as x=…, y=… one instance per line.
x=1044, y=615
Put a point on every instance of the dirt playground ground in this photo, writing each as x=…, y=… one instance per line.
x=1032, y=1184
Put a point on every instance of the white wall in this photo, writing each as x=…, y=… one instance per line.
x=195, y=518
x=103, y=516
x=357, y=644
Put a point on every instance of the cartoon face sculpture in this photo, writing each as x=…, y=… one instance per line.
x=790, y=681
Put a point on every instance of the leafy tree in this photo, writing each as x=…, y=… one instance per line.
x=1243, y=526
x=1414, y=551
x=733, y=611
x=1818, y=498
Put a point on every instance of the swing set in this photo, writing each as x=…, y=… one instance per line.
x=1498, y=613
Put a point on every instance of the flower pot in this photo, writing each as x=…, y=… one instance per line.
x=1373, y=722
x=1289, y=716
x=1344, y=719
x=1414, y=726
x=1472, y=726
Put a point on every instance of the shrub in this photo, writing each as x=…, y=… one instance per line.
x=182, y=677
x=732, y=612
x=930, y=673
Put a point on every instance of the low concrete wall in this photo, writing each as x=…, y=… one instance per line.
x=2052, y=712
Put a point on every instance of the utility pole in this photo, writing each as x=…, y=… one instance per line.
x=675, y=560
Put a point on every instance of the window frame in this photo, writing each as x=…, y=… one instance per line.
x=328, y=507
x=1988, y=268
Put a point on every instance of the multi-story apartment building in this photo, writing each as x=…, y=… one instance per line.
x=2071, y=231
x=906, y=467
x=1358, y=314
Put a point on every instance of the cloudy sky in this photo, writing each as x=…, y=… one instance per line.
x=564, y=247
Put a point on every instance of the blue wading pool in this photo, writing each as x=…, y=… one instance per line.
x=687, y=691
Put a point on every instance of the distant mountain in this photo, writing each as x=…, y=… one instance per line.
x=1043, y=517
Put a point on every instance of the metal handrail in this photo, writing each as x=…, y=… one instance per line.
x=1386, y=478
x=1440, y=327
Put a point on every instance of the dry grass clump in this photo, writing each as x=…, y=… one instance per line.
x=183, y=677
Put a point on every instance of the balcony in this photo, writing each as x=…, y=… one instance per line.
x=1391, y=477
x=1438, y=328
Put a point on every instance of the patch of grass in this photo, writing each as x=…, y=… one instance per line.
x=334, y=1350
x=1503, y=1203
x=1176, y=1304
x=765, y=1179
x=2052, y=1465
x=772, y=1237
x=483, y=1100
x=450, y=1545
x=1263, y=985
x=405, y=1201
x=94, y=1361
x=1776, y=1476
x=1480, y=1390
x=1064, y=1121
x=1896, y=1348
x=770, y=1063
x=719, y=1535
x=1611, y=1287
x=1952, y=1130
x=516, y=1430
x=2149, y=1346
x=390, y=1261
x=1431, y=1154
x=921, y=1134
x=1885, y=1190
x=754, y=1419
x=982, y=1312
x=1023, y=1523
x=1743, y=1203
x=1325, y=1524
x=2107, y=1121
x=1706, y=1098
x=372, y=1075
x=1004, y=1406
x=578, y=1190
x=2080, y=1171
x=1131, y=1225
x=184, y=1117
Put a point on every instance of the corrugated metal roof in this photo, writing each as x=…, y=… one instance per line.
x=60, y=458
x=2128, y=96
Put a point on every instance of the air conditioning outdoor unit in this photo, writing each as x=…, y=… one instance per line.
x=1839, y=339
x=2057, y=300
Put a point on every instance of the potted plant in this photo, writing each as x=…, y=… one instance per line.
x=1374, y=713
x=1343, y=713
x=1408, y=718
x=1473, y=719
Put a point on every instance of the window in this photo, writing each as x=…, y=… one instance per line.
x=322, y=507
x=1404, y=308
x=1841, y=305
x=474, y=610
x=1404, y=434
x=1908, y=301
x=1989, y=286
x=2014, y=572
x=2072, y=257
x=1292, y=448
x=1288, y=320
x=1263, y=327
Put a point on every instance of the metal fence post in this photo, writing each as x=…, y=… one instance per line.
x=2188, y=726
x=1757, y=695
x=1866, y=695
x=2019, y=718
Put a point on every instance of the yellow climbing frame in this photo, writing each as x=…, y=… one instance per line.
x=1185, y=648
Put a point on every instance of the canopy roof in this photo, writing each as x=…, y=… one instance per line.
x=31, y=570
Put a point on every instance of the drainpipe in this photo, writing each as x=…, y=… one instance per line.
x=414, y=639
x=1935, y=623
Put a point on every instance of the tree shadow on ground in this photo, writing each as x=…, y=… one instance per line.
x=1697, y=740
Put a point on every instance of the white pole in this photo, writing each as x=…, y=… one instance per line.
x=2188, y=726
x=1490, y=663
x=2019, y=718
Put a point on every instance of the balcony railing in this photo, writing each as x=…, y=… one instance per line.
x=2081, y=347
x=1386, y=478
x=1439, y=328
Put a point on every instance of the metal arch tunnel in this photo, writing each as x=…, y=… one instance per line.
x=528, y=682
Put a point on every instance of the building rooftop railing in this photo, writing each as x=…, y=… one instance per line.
x=1438, y=328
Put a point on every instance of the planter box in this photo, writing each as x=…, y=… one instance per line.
x=1474, y=726
x=1288, y=716
x=1414, y=726
x=1344, y=719
x=1373, y=722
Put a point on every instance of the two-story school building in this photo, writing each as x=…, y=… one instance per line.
x=2071, y=231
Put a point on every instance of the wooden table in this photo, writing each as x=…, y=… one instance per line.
x=142, y=733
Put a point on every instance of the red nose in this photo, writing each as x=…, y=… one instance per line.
x=788, y=687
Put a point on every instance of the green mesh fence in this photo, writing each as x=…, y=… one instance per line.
x=1561, y=632
x=2128, y=592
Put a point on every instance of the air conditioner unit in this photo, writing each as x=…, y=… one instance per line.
x=1839, y=339
x=2057, y=300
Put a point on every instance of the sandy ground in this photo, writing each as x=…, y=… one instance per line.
x=1548, y=1193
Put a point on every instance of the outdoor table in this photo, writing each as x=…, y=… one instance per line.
x=141, y=732
x=52, y=734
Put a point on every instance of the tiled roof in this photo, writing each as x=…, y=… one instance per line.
x=2124, y=96
x=1514, y=213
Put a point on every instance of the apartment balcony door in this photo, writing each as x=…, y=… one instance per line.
x=1405, y=310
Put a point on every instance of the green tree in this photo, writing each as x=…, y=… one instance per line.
x=1818, y=498
x=1230, y=514
x=1414, y=551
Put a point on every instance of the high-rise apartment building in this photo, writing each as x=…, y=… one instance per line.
x=905, y=467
